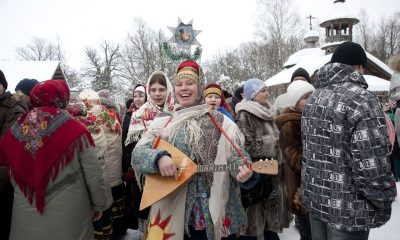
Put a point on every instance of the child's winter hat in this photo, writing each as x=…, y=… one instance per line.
x=296, y=90
x=213, y=88
x=252, y=87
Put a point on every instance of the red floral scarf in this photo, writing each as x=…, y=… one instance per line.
x=43, y=141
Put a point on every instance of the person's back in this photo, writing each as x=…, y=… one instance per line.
x=52, y=162
x=346, y=178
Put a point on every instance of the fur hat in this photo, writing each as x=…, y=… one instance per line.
x=296, y=90
x=300, y=72
x=26, y=85
x=252, y=87
x=3, y=80
x=394, y=64
x=349, y=53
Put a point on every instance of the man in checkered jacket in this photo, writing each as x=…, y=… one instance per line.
x=347, y=185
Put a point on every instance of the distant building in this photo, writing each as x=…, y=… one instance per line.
x=338, y=27
x=15, y=71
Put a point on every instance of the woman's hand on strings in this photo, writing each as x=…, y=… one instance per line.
x=166, y=166
x=244, y=174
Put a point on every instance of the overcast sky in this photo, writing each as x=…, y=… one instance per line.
x=80, y=23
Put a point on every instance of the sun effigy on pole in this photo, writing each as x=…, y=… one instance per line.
x=182, y=40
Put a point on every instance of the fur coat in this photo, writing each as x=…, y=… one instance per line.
x=262, y=141
x=289, y=124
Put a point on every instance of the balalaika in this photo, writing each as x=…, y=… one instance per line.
x=157, y=187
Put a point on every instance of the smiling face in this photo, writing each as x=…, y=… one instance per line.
x=158, y=94
x=186, y=92
x=138, y=99
x=213, y=101
x=262, y=96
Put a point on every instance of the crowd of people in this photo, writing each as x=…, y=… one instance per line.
x=76, y=168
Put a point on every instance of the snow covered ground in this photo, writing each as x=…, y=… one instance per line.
x=389, y=231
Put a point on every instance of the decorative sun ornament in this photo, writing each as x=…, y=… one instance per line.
x=184, y=35
x=157, y=228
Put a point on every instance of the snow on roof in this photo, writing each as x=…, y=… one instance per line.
x=311, y=59
x=379, y=63
x=310, y=63
x=377, y=84
x=311, y=33
x=15, y=71
x=339, y=10
x=327, y=44
x=307, y=52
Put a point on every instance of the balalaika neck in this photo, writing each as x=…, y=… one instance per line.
x=218, y=167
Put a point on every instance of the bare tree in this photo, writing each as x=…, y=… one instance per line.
x=393, y=25
x=278, y=26
x=142, y=53
x=102, y=66
x=41, y=49
x=364, y=33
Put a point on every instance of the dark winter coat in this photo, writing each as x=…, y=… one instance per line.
x=262, y=141
x=126, y=150
x=10, y=110
x=289, y=125
x=346, y=177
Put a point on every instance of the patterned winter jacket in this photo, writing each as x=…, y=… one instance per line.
x=346, y=177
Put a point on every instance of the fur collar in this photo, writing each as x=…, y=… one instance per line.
x=286, y=116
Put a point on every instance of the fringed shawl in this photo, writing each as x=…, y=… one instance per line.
x=173, y=206
x=43, y=141
x=42, y=144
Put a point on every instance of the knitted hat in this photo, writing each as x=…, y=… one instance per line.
x=3, y=80
x=296, y=90
x=349, y=53
x=300, y=72
x=213, y=88
x=252, y=87
x=188, y=70
x=26, y=85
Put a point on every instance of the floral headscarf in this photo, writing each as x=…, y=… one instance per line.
x=143, y=117
x=42, y=142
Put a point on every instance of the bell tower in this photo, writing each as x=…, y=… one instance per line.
x=338, y=26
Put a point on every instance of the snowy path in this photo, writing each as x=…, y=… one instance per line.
x=389, y=231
